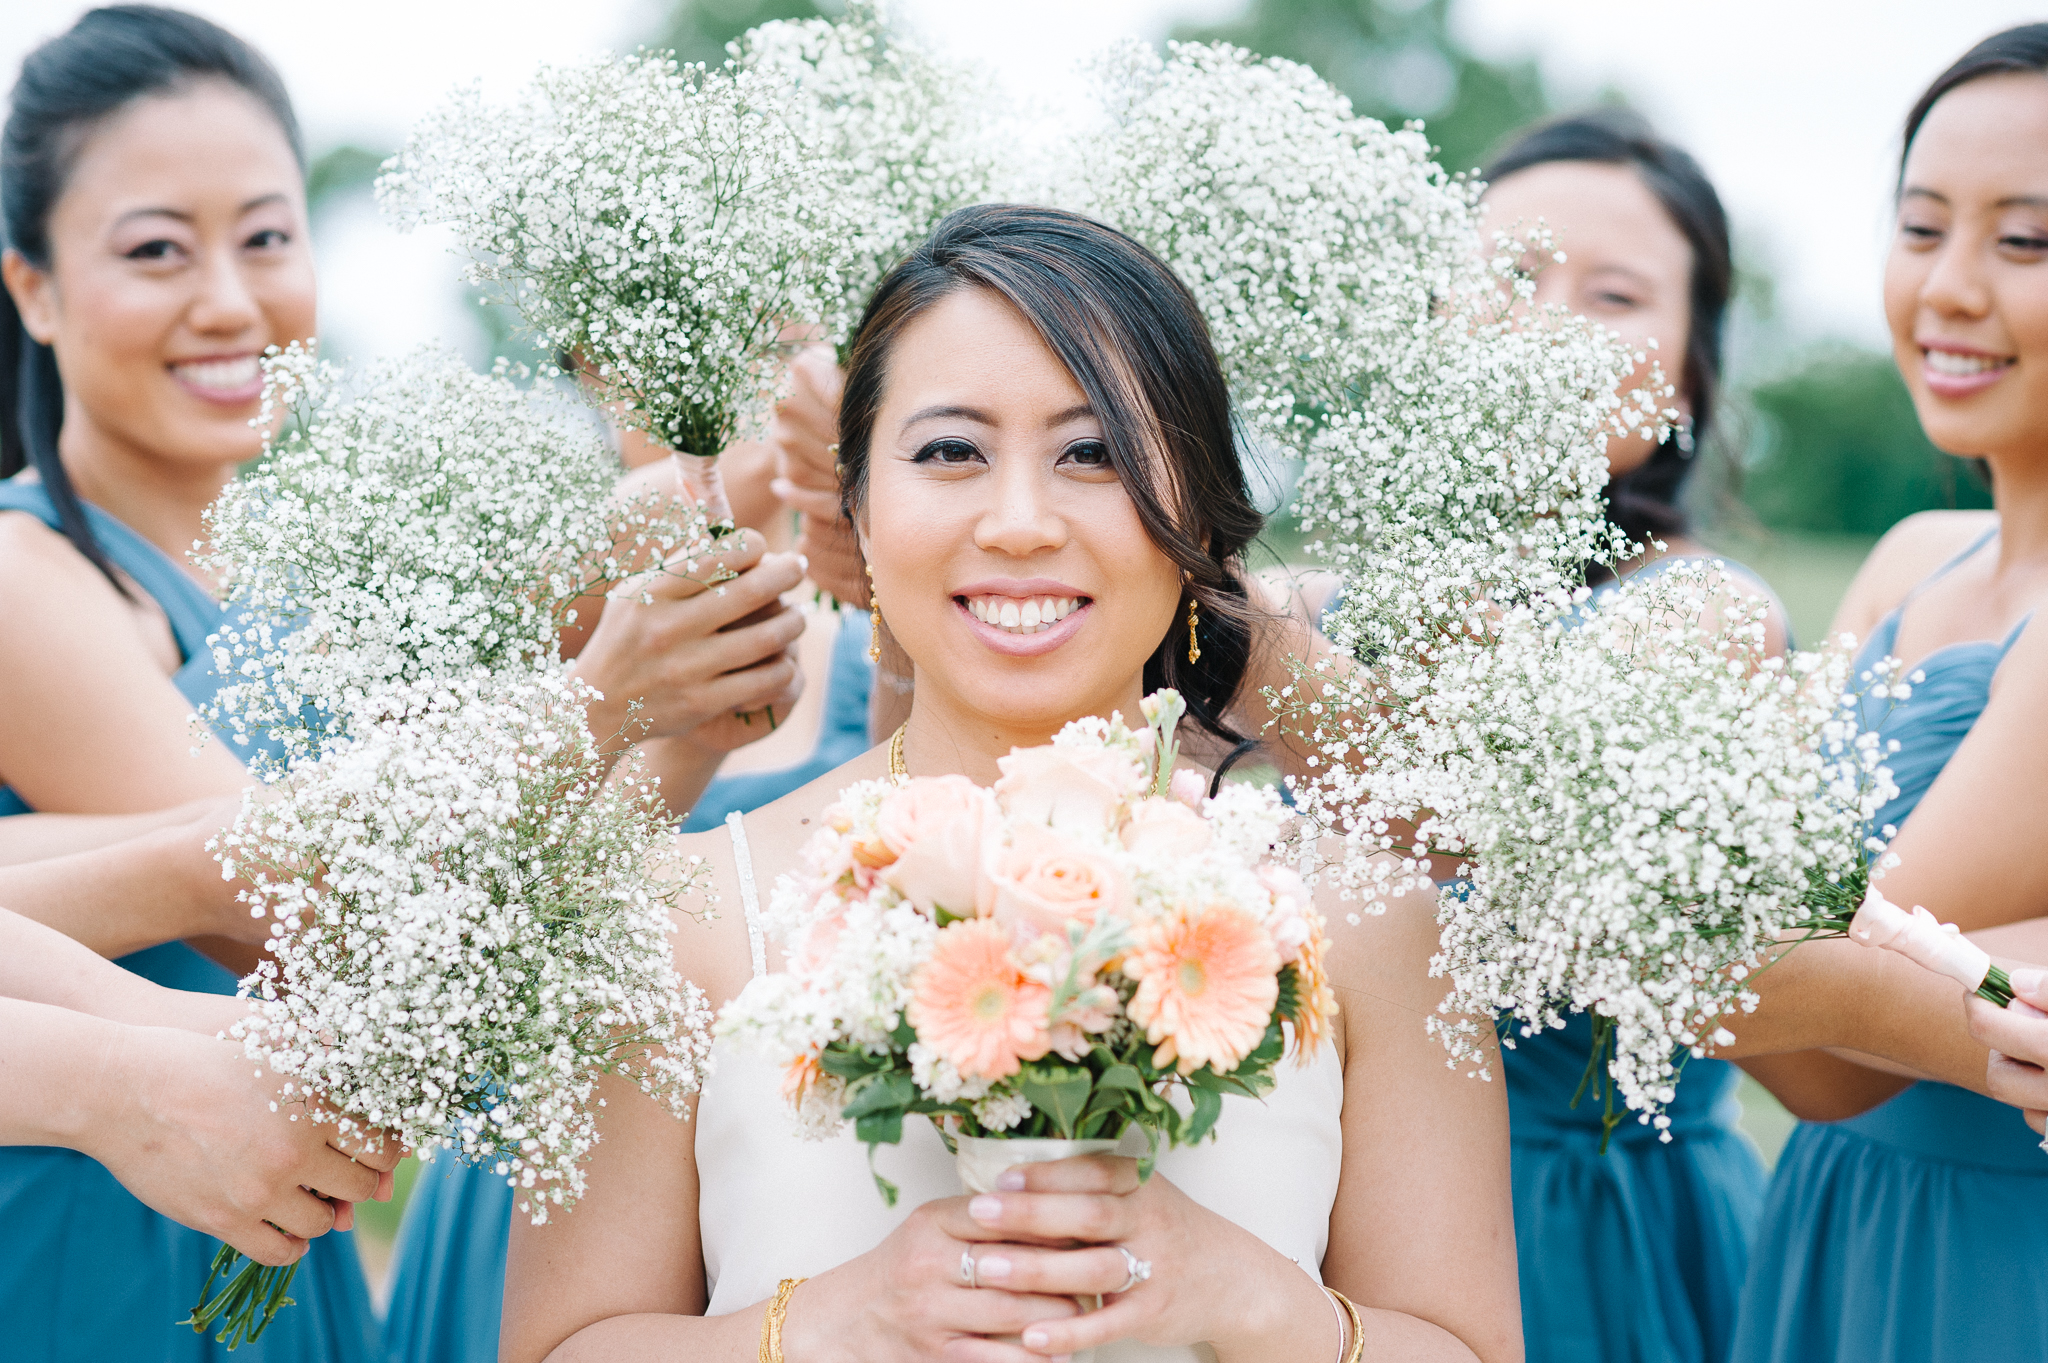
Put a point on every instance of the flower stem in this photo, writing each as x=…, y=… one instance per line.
x=253, y=1296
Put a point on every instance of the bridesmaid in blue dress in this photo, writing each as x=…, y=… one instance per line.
x=154, y=221
x=1638, y=1253
x=448, y=1270
x=1918, y=1230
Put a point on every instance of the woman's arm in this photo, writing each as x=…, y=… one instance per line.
x=1424, y=1228
x=92, y=723
x=33, y=837
x=163, y=886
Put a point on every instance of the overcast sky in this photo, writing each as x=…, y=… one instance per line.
x=1792, y=105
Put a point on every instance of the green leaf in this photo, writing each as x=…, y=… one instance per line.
x=1058, y=1092
x=1208, y=1107
x=885, y=1092
x=1121, y=1076
x=852, y=1064
x=880, y=1128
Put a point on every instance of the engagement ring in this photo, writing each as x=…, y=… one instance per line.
x=969, y=1270
x=1139, y=1269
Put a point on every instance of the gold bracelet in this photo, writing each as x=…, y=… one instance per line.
x=771, y=1322
x=1357, y=1349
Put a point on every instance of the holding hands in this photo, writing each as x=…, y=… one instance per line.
x=962, y=1273
x=2018, y=1038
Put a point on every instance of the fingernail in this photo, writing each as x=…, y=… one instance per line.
x=986, y=1208
x=2028, y=982
x=993, y=1268
x=1036, y=1338
x=1011, y=1181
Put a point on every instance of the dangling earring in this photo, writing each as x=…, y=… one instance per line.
x=1194, y=649
x=874, y=620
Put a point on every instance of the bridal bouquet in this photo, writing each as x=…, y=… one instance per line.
x=661, y=223
x=1649, y=806
x=411, y=521
x=1058, y=957
x=472, y=926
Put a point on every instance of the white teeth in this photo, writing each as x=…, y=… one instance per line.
x=1958, y=365
x=1032, y=616
x=221, y=374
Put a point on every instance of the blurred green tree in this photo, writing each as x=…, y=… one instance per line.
x=1840, y=451
x=1397, y=60
x=698, y=30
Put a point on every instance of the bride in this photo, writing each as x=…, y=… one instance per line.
x=1038, y=454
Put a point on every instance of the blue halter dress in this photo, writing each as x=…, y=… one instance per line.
x=86, y=1271
x=448, y=1271
x=1637, y=1255
x=1918, y=1231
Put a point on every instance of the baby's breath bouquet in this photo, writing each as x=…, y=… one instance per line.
x=662, y=223
x=904, y=133
x=472, y=925
x=1649, y=806
x=414, y=520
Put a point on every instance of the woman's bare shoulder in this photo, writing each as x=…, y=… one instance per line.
x=712, y=945
x=1910, y=552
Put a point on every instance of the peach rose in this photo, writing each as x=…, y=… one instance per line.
x=1289, y=920
x=1040, y=883
x=1166, y=828
x=934, y=830
x=1065, y=788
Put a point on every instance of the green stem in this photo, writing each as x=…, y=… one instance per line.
x=244, y=1308
x=1996, y=987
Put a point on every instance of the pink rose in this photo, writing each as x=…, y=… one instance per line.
x=934, y=829
x=1040, y=883
x=1066, y=788
x=1188, y=787
x=1166, y=828
x=1288, y=923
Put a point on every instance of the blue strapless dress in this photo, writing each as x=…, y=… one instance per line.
x=1917, y=1232
x=86, y=1271
x=1638, y=1255
x=448, y=1270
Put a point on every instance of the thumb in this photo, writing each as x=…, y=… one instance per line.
x=2029, y=990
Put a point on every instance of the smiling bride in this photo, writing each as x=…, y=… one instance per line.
x=1039, y=456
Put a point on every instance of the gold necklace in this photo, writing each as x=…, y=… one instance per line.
x=896, y=767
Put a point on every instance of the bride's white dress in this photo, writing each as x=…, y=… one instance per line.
x=773, y=1205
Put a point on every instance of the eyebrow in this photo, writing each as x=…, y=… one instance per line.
x=182, y=216
x=2011, y=201
x=955, y=412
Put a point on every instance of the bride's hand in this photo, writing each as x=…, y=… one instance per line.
x=1209, y=1281
x=906, y=1298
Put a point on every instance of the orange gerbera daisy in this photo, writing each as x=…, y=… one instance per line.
x=1207, y=982
x=971, y=1003
x=1315, y=1008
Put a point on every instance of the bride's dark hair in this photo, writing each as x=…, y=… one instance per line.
x=1131, y=335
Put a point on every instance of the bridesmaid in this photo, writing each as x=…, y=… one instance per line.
x=1918, y=1230
x=155, y=228
x=1663, y=1227
x=156, y=245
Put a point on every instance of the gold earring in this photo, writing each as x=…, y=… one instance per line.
x=1194, y=649
x=874, y=620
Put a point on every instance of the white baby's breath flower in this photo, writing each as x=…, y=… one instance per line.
x=473, y=925
x=413, y=520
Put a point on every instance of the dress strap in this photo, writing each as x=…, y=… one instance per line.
x=750, y=899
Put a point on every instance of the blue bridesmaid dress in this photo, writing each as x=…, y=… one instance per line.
x=87, y=1271
x=448, y=1269
x=1637, y=1255
x=1918, y=1231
